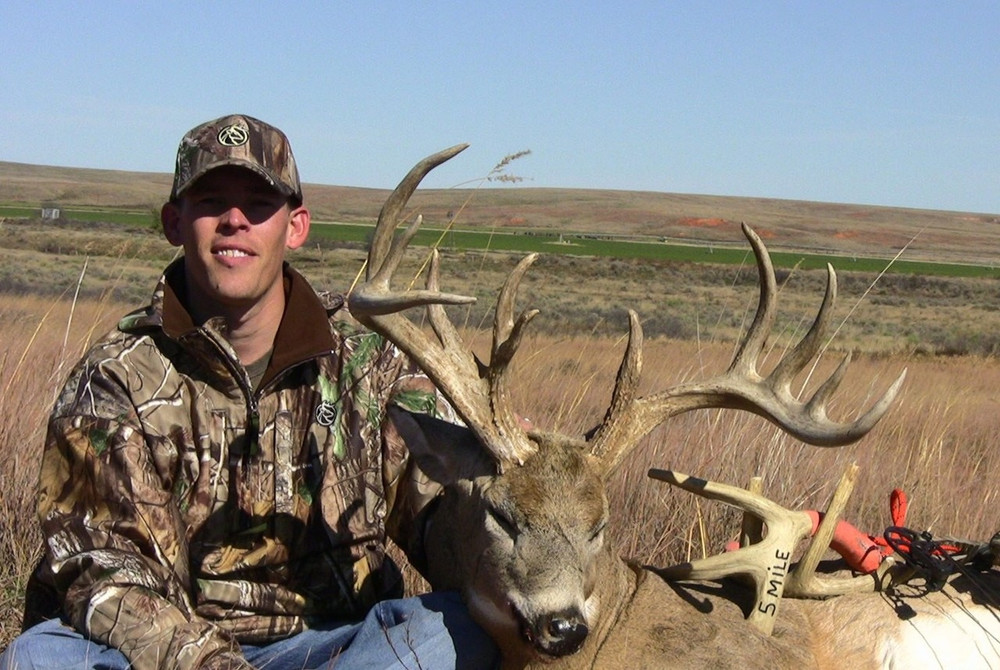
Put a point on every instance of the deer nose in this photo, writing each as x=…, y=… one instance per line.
x=565, y=634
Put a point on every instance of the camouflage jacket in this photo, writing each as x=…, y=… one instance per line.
x=185, y=511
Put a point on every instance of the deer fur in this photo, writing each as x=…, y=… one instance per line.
x=526, y=549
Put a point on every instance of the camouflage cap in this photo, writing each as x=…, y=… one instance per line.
x=237, y=140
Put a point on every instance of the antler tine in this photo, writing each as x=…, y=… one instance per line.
x=745, y=360
x=804, y=582
x=389, y=215
x=386, y=251
x=793, y=362
x=507, y=333
x=446, y=332
x=610, y=439
x=747, y=357
x=478, y=395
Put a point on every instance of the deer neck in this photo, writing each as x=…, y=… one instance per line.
x=616, y=586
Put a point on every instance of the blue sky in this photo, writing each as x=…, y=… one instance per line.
x=862, y=102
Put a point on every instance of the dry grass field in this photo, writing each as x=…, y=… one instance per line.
x=937, y=443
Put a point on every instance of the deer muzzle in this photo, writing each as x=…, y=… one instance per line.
x=557, y=634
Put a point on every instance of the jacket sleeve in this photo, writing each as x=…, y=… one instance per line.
x=115, y=546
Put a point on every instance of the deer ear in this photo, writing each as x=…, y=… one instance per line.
x=445, y=452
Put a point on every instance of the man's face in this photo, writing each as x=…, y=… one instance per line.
x=234, y=229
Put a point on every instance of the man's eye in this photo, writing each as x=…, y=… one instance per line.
x=208, y=201
x=265, y=206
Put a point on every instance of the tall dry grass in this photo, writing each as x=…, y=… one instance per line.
x=937, y=443
x=42, y=339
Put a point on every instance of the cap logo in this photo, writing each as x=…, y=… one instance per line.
x=233, y=136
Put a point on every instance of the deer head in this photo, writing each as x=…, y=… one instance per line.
x=521, y=542
x=519, y=527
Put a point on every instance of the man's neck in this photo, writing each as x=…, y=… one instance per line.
x=251, y=330
x=252, y=336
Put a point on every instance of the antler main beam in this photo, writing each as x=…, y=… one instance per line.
x=630, y=418
x=478, y=392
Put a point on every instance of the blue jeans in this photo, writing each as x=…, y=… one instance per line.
x=426, y=632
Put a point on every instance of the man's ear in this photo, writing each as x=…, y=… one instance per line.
x=298, y=227
x=170, y=222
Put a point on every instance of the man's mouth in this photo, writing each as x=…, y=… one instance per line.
x=232, y=253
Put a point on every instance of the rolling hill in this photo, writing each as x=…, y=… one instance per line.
x=844, y=229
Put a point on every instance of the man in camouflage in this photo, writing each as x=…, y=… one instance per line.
x=218, y=482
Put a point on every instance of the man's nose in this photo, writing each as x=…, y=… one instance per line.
x=234, y=217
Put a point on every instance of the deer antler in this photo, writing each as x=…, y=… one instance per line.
x=766, y=563
x=629, y=419
x=477, y=391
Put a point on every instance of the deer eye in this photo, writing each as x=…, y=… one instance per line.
x=501, y=519
x=595, y=534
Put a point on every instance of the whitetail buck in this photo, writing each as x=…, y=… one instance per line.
x=519, y=527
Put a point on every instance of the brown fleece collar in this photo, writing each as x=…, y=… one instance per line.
x=303, y=333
